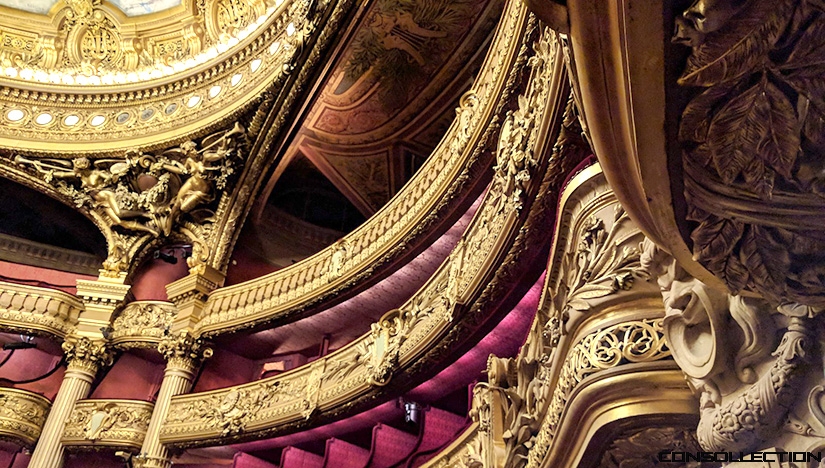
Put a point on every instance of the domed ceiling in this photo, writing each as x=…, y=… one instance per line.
x=93, y=76
x=128, y=7
x=99, y=78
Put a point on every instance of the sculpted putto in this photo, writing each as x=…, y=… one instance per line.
x=146, y=193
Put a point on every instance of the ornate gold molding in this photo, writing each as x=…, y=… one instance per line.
x=147, y=197
x=22, y=415
x=27, y=252
x=406, y=217
x=107, y=423
x=597, y=320
x=183, y=351
x=464, y=452
x=38, y=310
x=142, y=324
x=402, y=336
x=152, y=84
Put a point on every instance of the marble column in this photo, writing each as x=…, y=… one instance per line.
x=85, y=357
x=183, y=354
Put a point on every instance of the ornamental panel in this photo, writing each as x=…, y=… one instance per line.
x=108, y=423
x=22, y=415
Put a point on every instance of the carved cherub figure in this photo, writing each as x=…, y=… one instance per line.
x=102, y=185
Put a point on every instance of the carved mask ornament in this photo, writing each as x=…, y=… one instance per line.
x=722, y=343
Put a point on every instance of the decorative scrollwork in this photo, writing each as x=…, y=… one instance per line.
x=625, y=343
x=142, y=323
x=514, y=155
x=154, y=194
x=111, y=423
x=232, y=411
x=22, y=415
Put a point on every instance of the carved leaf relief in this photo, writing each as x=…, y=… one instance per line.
x=741, y=46
x=755, y=128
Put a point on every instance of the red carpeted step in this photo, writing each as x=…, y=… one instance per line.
x=293, y=457
x=389, y=446
x=440, y=429
x=244, y=460
x=340, y=454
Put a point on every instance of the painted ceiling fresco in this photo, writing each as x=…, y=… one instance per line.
x=392, y=95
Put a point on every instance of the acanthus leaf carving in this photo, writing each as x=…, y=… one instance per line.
x=86, y=354
x=602, y=264
x=183, y=351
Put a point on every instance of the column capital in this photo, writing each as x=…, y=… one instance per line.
x=87, y=355
x=183, y=351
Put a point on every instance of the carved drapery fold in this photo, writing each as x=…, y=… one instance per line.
x=118, y=424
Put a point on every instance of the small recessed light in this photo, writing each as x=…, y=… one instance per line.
x=43, y=119
x=15, y=114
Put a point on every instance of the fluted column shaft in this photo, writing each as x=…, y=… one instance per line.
x=85, y=358
x=183, y=354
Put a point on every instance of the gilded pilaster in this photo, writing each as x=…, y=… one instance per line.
x=183, y=354
x=84, y=357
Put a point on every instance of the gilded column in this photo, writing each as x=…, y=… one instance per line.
x=85, y=357
x=183, y=354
